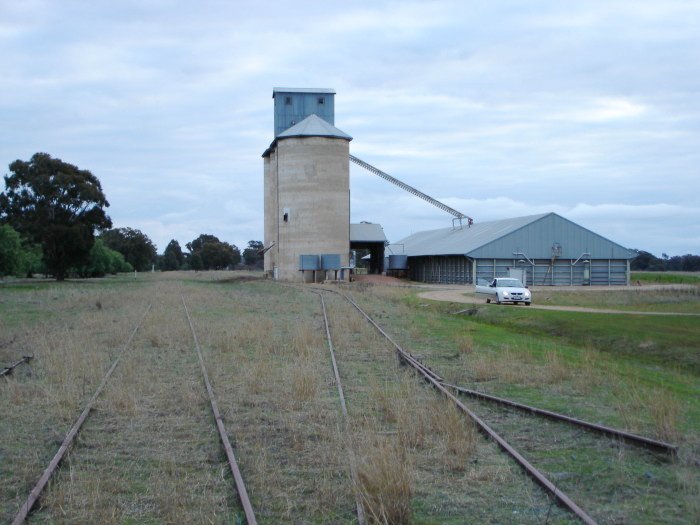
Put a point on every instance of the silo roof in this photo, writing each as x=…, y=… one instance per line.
x=313, y=126
x=301, y=90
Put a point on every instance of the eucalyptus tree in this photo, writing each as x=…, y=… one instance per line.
x=56, y=205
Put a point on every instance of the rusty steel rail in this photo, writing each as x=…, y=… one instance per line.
x=233, y=464
x=26, y=507
x=361, y=518
x=6, y=371
x=628, y=437
x=436, y=382
x=403, y=354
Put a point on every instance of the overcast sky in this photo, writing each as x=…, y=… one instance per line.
x=500, y=109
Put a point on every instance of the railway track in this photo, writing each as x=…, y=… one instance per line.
x=33, y=496
x=250, y=355
x=359, y=508
x=615, y=433
x=69, y=440
x=449, y=391
x=230, y=456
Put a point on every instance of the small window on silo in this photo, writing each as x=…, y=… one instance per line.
x=321, y=100
x=287, y=101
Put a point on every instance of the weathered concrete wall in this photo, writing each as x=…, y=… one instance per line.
x=270, y=190
x=312, y=176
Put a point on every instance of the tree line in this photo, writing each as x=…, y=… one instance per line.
x=53, y=221
x=645, y=261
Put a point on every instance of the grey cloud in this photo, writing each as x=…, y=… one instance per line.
x=504, y=109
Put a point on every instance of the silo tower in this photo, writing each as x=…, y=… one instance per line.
x=307, y=188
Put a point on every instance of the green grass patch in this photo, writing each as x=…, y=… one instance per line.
x=667, y=341
x=626, y=356
x=640, y=299
x=666, y=278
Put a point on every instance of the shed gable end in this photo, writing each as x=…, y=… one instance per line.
x=550, y=235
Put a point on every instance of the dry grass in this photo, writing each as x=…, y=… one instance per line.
x=555, y=369
x=591, y=372
x=465, y=343
x=664, y=410
x=304, y=383
x=275, y=387
x=306, y=338
x=657, y=409
x=523, y=368
x=505, y=366
x=457, y=433
x=140, y=455
x=152, y=436
x=384, y=482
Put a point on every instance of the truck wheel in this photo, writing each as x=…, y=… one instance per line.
x=488, y=301
x=527, y=304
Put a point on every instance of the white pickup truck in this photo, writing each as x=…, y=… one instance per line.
x=504, y=290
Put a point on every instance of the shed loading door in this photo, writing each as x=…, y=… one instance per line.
x=450, y=269
x=488, y=269
x=609, y=272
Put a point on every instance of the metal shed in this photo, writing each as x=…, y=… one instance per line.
x=544, y=249
x=369, y=236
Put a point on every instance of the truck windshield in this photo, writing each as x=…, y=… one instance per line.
x=510, y=283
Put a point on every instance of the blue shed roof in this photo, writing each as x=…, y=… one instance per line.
x=367, y=232
x=533, y=235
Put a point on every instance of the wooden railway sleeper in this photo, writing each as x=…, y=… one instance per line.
x=6, y=371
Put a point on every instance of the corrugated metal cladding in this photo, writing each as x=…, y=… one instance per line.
x=562, y=272
x=537, y=238
x=552, y=251
x=443, y=269
x=292, y=105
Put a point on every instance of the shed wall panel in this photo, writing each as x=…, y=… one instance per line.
x=563, y=272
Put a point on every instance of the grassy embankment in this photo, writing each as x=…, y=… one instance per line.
x=684, y=298
x=640, y=373
x=657, y=354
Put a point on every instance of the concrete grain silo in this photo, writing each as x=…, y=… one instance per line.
x=307, y=188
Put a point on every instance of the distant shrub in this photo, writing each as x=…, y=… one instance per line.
x=16, y=257
x=103, y=261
